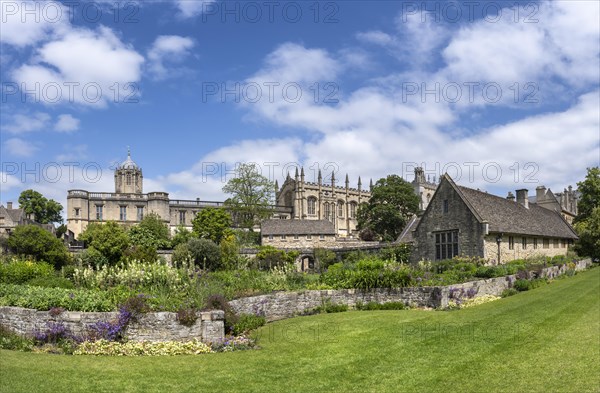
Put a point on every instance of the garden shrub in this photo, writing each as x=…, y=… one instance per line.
x=44, y=299
x=92, y=257
x=19, y=271
x=399, y=253
x=187, y=316
x=205, y=253
x=522, y=285
x=51, y=282
x=324, y=258
x=13, y=341
x=509, y=292
x=248, y=322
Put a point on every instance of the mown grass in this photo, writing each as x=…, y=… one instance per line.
x=545, y=340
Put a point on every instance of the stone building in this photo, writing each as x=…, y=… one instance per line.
x=10, y=218
x=463, y=221
x=564, y=202
x=129, y=204
x=298, y=233
x=321, y=201
x=424, y=187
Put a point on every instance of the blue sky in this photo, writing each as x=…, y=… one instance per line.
x=501, y=95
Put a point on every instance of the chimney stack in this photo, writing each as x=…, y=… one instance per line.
x=9, y=205
x=540, y=193
x=510, y=196
x=522, y=197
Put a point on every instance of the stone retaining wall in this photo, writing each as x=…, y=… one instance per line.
x=282, y=305
x=157, y=326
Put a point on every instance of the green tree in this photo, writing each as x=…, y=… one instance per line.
x=252, y=195
x=109, y=238
x=590, y=194
x=211, y=224
x=151, y=232
x=44, y=210
x=589, y=236
x=205, y=253
x=31, y=240
x=182, y=235
x=392, y=203
x=230, y=250
x=587, y=222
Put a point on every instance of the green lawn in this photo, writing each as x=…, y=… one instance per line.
x=545, y=340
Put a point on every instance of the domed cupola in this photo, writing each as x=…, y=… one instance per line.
x=128, y=177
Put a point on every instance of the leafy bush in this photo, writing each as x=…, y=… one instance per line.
x=187, y=316
x=205, y=253
x=51, y=282
x=41, y=298
x=13, y=341
x=41, y=245
x=269, y=257
x=509, y=292
x=19, y=271
x=91, y=257
x=109, y=238
x=325, y=258
x=399, y=253
x=247, y=322
x=522, y=285
x=144, y=348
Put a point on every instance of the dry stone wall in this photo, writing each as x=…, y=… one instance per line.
x=282, y=305
x=158, y=326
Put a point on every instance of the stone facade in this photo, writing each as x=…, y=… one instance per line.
x=565, y=202
x=323, y=201
x=159, y=326
x=463, y=221
x=129, y=204
x=424, y=187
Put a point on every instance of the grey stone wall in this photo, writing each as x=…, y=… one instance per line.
x=282, y=305
x=159, y=326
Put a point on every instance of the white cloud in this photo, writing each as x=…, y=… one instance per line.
x=192, y=8
x=26, y=23
x=167, y=48
x=19, y=147
x=22, y=123
x=73, y=153
x=108, y=71
x=66, y=123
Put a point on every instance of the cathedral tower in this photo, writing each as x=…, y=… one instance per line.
x=128, y=177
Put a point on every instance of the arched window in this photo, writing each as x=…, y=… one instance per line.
x=428, y=198
x=340, y=209
x=327, y=214
x=352, y=209
x=312, y=205
x=129, y=179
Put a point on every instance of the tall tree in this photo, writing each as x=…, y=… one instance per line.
x=108, y=238
x=392, y=203
x=251, y=195
x=590, y=194
x=152, y=231
x=587, y=222
x=212, y=224
x=44, y=210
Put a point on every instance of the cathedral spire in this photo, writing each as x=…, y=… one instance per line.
x=302, y=174
x=347, y=181
x=296, y=174
x=359, y=183
x=371, y=185
x=319, y=177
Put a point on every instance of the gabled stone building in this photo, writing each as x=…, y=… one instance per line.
x=10, y=218
x=463, y=221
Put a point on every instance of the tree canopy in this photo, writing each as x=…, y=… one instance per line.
x=33, y=241
x=251, y=195
x=212, y=224
x=587, y=222
x=109, y=238
x=44, y=210
x=392, y=203
x=152, y=232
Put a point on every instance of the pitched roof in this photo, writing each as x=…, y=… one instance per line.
x=508, y=216
x=407, y=234
x=297, y=227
